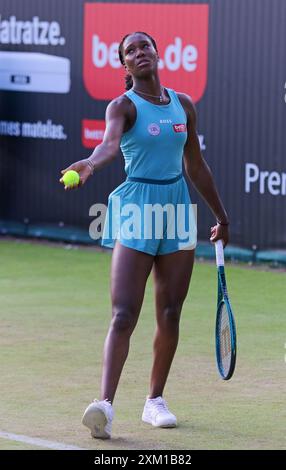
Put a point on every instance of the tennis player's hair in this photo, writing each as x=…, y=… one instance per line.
x=128, y=77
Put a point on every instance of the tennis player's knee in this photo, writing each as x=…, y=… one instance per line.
x=123, y=320
x=170, y=315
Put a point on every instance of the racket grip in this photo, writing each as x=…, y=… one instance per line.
x=219, y=253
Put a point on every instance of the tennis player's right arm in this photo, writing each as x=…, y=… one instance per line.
x=106, y=152
x=115, y=121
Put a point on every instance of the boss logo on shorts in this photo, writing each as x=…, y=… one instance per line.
x=154, y=129
x=183, y=49
x=180, y=127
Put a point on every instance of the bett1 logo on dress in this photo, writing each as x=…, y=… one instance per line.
x=181, y=33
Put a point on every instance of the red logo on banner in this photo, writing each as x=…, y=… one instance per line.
x=92, y=132
x=180, y=127
x=181, y=34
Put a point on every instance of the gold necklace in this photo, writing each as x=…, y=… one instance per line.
x=160, y=98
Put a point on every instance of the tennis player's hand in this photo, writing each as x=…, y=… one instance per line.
x=82, y=168
x=220, y=232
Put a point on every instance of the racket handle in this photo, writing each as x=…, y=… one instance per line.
x=219, y=253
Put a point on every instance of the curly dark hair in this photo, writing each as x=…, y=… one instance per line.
x=128, y=77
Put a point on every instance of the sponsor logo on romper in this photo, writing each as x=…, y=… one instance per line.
x=180, y=127
x=154, y=129
x=165, y=121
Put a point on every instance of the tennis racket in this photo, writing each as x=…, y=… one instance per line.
x=225, y=332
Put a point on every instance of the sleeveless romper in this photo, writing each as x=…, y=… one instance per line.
x=151, y=211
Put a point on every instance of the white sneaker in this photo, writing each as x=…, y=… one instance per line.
x=98, y=418
x=156, y=413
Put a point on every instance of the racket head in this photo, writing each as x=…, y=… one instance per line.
x=225, y=339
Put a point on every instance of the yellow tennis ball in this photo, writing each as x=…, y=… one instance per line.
x=70, y=178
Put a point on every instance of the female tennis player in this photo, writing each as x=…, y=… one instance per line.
x=155, y=127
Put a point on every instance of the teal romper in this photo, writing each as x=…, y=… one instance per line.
x=151, y=211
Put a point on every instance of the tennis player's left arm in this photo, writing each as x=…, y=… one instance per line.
x=200, y=174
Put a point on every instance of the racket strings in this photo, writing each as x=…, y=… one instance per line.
x=225, y=340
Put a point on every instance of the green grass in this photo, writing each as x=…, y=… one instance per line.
x=55, y=312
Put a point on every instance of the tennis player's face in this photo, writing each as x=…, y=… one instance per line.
x=140, y=56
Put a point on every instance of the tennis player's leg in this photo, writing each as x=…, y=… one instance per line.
x=172, y=275
x=129, y=272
